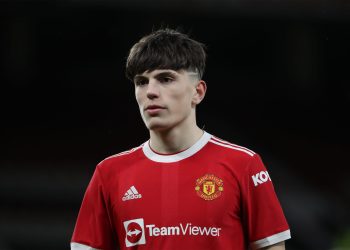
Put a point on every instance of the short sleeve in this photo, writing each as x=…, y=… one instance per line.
x=263, y=218
x=93, y=229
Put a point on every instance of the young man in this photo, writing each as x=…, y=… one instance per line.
x=184, y=188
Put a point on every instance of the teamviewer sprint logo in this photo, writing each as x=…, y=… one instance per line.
x=135, y=232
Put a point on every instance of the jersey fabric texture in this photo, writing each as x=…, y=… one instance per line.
x=214, y=195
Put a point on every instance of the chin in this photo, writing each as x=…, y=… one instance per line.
x=157, y=126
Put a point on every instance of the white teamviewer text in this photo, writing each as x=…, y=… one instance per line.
x=187, y=229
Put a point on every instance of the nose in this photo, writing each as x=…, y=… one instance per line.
x=152, y=89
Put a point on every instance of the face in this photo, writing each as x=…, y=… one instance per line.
x=166, y=98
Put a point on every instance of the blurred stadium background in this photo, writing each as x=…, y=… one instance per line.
x=278, y=83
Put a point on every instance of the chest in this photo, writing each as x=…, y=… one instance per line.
x=195, y=192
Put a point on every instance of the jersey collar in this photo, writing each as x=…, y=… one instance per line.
x=153, y=156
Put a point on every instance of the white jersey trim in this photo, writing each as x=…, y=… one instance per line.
x=231, y=144
x=150, y=154
x=78, y=246
x=273, y=239
x=233, y=147
x=125, y=152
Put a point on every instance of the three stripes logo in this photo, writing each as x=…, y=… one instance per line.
x=131, y=194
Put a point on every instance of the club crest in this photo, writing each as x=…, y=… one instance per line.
x=209, y=187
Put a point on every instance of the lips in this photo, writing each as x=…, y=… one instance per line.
x=154, y=110
x=153, y=107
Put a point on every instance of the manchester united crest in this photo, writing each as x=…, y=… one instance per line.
x=209, y=187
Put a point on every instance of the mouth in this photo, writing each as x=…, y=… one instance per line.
x=154, y=107
x=154, y=110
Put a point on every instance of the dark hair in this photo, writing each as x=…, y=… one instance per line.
x=166, y=49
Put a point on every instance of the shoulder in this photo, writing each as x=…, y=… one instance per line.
x=231, y=153
x=124, y=154
x=120, y=159
x=231, y=148
x=244, y=162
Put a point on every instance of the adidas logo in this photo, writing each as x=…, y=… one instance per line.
x=131, y=194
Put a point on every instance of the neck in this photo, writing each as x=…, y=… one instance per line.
x=174, y=140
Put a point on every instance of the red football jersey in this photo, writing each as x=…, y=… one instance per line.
x=214, y=195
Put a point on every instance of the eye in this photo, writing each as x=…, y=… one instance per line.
x=165, y=79
x=140, y=82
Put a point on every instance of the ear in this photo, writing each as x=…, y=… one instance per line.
x=200, y=90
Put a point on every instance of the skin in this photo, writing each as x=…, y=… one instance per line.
x=278, y=246
x=167, y=100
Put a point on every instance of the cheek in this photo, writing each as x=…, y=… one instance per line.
x=182, y=101
x=138, y=97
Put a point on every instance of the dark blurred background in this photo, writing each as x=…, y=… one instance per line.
x=278, y=83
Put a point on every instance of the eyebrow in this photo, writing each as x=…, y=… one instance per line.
x=160, y=74
x=166, y=73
